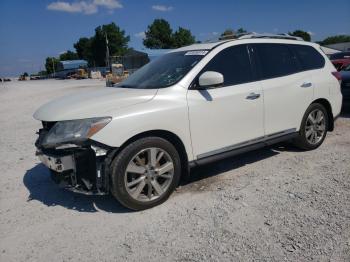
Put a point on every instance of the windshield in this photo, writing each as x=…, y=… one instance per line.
x=164, y=71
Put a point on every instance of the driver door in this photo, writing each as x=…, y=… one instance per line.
x=231, y=116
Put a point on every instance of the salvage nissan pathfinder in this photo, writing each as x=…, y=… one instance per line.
x=191, y=106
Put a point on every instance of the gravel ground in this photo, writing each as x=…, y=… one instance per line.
x=274, y=204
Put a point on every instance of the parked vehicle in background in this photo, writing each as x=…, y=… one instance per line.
x=117, y=75
x=35, y=77
x=345, y=84
x=340, y=60
x=191, y=106
x=23, y=77
x=80, y=73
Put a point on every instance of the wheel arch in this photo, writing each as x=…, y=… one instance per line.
x=169, y=136
x=328, y=107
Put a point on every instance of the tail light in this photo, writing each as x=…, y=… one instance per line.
x=337, y=75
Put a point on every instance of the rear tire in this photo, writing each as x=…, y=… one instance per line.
x=313, y=128
x=145, y=173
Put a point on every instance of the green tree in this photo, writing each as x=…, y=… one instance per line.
x=94, y=49
x=69, y=55
x=231, y=33
x=159, y=35
x=83, y=48
x=117, y=43
x=42, y=73
x=183, y=37
x=335, y=39
x=241, y=31
x=228, y=32
x=51, y=64
x=25, y=74
x=300, y=33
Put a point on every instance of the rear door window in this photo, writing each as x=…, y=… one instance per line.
x=276, y=60
x=234, y=64
x=308, y=57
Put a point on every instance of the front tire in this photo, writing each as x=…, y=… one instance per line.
x=145, y=173
x=313, y=128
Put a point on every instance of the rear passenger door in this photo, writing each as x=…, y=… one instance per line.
x=288, y=90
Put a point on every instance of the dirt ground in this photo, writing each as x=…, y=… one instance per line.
x=274, y=204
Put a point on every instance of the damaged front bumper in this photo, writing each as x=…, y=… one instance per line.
x=82, y=168
x=59, y=164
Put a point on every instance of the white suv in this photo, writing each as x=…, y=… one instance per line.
x=192, y=106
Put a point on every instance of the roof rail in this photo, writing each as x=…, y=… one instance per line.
x=274, y=36
x=257, y=35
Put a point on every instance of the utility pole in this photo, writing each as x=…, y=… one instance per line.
x=107, y=53
x=53, y=67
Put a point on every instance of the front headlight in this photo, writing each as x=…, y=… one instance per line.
x=75, y=130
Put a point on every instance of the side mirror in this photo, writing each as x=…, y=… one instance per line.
x=210, y=79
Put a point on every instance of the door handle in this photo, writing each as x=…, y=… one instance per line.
x=306, y=84
x=253, y=96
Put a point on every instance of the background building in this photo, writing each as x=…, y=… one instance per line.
x=69, y=67
x=340, y=46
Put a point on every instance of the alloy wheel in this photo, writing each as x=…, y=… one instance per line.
x=149, y=174
x=315, y=127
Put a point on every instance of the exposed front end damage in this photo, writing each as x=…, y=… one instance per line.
x=81, y=167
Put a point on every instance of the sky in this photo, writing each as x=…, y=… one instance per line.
x=31, y=30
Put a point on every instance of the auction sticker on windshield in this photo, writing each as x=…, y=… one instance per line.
x=200, y=52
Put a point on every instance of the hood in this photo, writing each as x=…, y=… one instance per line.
x=90, y=104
